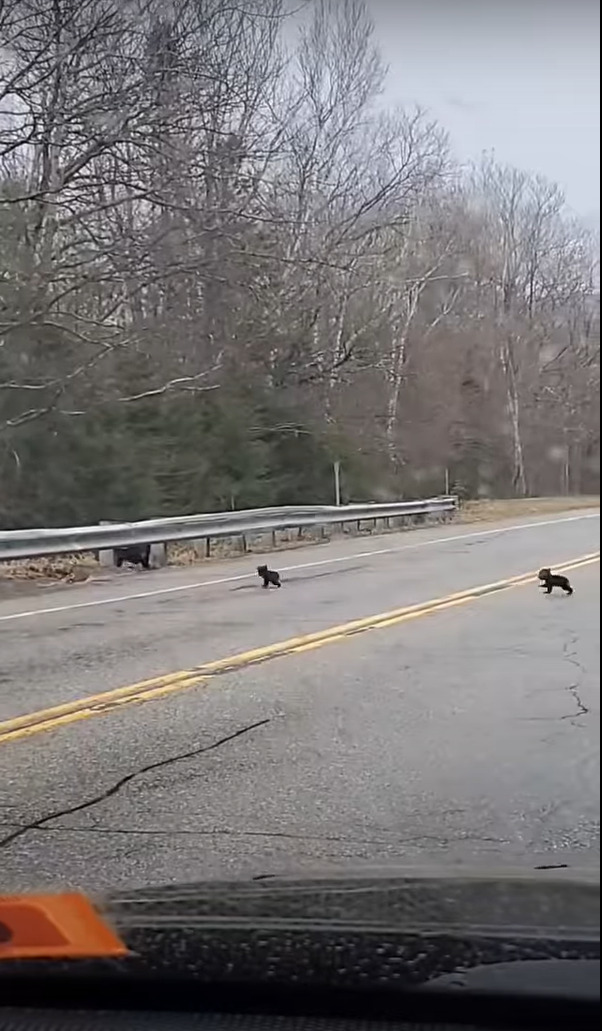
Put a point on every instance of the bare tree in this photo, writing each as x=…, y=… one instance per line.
x=200, y=214
x=130, y=160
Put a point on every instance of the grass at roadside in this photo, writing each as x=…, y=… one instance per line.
x=62, y=568
x=508, y=508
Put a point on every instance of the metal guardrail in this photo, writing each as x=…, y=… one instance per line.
x=18, y=544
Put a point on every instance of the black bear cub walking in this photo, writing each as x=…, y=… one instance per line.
x=550, y=580
x=269, y=576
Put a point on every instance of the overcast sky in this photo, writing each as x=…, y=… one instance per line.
x=520, y=77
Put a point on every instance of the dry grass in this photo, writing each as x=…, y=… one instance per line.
x=492, y=510
x=72, y=569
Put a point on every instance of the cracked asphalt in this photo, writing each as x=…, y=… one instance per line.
x=467, y=736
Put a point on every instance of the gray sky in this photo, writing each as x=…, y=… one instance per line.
x=519, y=77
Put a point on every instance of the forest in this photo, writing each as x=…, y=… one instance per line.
x=226, y=264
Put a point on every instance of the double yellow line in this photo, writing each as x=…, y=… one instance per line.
x=159, y=687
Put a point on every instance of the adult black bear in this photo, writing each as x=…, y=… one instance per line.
x=136, y=554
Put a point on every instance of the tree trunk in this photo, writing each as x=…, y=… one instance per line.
x=519, y=476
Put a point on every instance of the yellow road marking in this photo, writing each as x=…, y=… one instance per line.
x=158, y=687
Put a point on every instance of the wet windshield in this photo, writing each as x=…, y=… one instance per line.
x=310, y=293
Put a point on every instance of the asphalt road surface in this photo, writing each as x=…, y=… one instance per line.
x=453, y=726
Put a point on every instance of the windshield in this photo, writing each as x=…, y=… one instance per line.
x=299, y=440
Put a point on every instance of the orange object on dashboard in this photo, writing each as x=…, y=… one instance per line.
x=54, y=927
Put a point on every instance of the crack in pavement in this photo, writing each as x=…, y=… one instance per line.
x=573, y=689
x=42, y=821
x=442, y=840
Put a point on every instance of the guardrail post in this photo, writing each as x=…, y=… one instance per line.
x=106, y=557
x=158, y=556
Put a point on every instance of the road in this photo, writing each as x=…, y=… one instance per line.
x=465, y=730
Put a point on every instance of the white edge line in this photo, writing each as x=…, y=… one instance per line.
x=301, y=565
